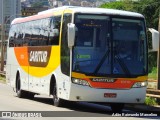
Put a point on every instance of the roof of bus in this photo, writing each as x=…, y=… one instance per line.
x=94, y=11
x=76, y=9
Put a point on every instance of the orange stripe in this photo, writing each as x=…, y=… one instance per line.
x=118, y=84
x=21, y=55
x=81, y=76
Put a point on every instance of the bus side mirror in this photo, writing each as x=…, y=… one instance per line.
x=155, y=39
x=71, y=35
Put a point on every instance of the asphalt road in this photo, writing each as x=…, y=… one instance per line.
x=42, y=106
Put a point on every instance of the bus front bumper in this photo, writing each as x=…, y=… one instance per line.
x=88, y=94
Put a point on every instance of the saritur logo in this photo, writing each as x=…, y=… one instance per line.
x=108, y=80
x=39, y=56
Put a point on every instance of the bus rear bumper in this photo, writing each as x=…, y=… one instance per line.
x=85, y=93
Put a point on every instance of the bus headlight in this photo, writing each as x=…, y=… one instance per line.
x=80, y=81
x=140, y=84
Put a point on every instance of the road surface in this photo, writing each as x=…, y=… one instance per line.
x=42, y=106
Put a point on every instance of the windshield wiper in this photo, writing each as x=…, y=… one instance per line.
x=77, y=66
x=123, y=65
x=101, y=62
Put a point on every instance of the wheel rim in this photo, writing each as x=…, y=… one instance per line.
x=55, y=98
x=18, y=85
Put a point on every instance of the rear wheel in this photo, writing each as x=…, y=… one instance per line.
x=117, y=107
x=58, y=102
x=20, y=93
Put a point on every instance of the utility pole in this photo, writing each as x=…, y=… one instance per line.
x=2, y=39
x=158, y=59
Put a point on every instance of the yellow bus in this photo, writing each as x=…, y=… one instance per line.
x=79, y=54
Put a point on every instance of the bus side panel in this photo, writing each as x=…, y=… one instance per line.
x=8, y=74
x=40, y=85
x=41, y=68
x=12, y=68
x=63, y=84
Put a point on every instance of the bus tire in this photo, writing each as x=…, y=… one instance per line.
x=20, y=93
x=58, y=102
x=117, y=107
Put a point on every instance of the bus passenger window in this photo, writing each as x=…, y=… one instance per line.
x=11, y=36
x=53, y=37
x=65, y=51
x=54, y=30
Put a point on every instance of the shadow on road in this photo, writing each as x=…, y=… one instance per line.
x=85, y=109
x=79, y=106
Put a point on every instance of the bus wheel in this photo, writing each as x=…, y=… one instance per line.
x=20, y=93
x=117, y=107
x=58, y=102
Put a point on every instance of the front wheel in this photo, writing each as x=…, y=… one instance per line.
x=58, y=102
x=117, y=107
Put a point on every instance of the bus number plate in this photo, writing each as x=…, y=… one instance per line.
x=110, y=95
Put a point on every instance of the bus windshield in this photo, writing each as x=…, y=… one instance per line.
x=109, y=46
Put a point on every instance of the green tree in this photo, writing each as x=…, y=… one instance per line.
x=149, y=8
x=114, y=5
x=120, y=5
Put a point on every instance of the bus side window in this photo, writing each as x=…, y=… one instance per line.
x=35, y=33
x=27, y=34
x=54, y=30
x=11, y=36
x=44, y=32
x=40, y=37
x=18, y=40
x=32, y=40
x=65, y=51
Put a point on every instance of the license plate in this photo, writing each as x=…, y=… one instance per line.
x=110, y=95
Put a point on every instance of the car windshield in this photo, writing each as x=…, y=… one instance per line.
x=109, y=46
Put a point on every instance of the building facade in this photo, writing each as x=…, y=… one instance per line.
x=9, y=9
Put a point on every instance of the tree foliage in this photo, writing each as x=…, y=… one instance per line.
x=114, y=5
x=120, y=5
x=149, y=8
